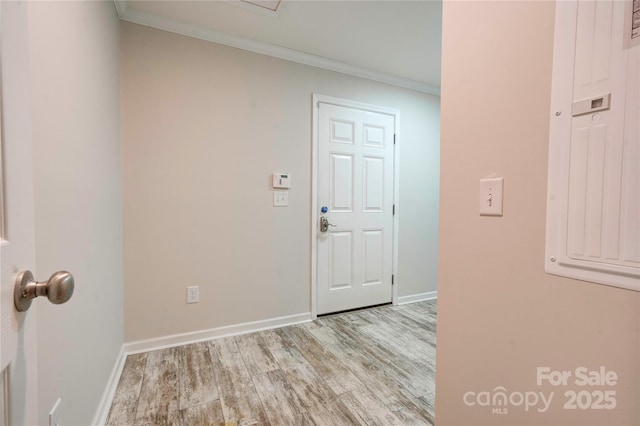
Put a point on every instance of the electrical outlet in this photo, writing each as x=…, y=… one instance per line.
x=193, y=294
x=54, y=414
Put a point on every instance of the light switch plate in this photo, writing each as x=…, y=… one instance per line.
x=281, y=198
x=193, y=294
x=491, y=196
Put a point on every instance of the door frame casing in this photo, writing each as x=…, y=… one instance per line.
x=316, y=100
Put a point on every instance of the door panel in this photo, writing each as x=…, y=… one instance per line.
x=341, y=176
x=373, y=184
x=342, y=131
x=340, y=265
x=355, y=183
x=18, y=356
x=372, y=256
x=374, y=136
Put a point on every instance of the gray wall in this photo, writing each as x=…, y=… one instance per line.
x=204, y=126
x=500, y=316
x=78, y=199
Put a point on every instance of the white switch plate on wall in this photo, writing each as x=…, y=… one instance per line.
x=281, y=198
x=491, y=196
x=193, y=294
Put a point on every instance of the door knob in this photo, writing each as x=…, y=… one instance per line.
x=58, y=289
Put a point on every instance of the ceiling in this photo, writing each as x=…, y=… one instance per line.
x=396, y=41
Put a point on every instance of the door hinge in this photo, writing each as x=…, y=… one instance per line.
x=393, y=211
x=392, y=279
x=394, y=138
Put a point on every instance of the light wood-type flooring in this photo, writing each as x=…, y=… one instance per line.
x=369, y=367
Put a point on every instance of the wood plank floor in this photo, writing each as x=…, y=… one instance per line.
x=369, y=367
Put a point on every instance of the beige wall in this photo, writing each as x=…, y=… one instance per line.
x=500, y=315
x=204, y=127
x=78, y=199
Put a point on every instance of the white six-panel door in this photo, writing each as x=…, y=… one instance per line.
x=355, y=184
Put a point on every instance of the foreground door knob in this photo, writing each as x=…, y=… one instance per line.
x=58, y=289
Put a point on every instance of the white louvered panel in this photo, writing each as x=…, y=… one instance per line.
x=577, y=192
x=630, y=203
x=595, y=36
x=611, y=197
x=602, y=40
x=595, y=190
x=603, y=212
x=630, y=230
x=586, y=192
x=593, y=216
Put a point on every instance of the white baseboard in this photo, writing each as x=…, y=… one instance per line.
x=213, y=333
x=100, y=418
x=420, y=297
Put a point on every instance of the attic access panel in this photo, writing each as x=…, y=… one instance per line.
x=265, y=4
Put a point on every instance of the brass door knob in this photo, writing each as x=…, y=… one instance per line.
x=58, y=289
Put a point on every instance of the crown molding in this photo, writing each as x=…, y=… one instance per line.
x=121, y=7
x=125, y=13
